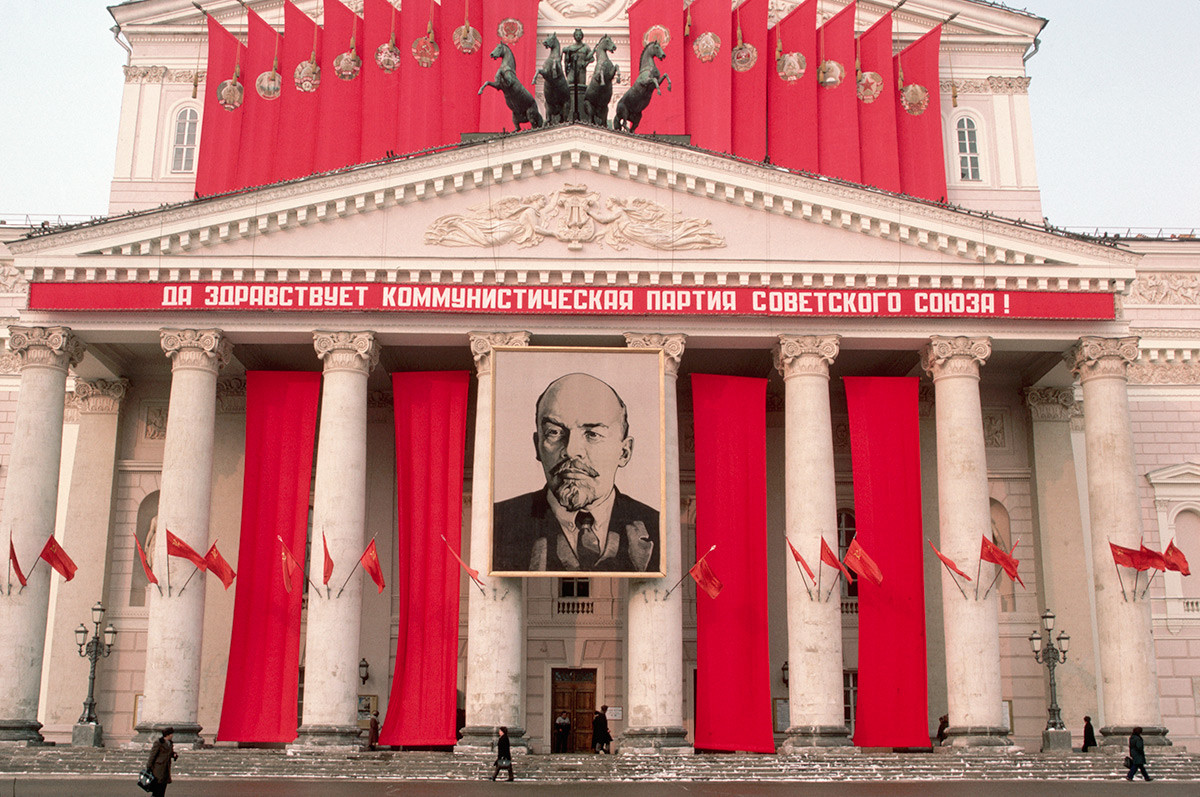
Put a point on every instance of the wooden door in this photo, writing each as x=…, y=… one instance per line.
x=575, y=693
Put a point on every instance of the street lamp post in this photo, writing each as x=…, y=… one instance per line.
x=1055, y=736
x=88, y=732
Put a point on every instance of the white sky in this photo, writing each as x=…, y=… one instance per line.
x=1115, y=97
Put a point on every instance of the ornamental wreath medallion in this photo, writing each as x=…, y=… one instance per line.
x=230, y=94
x=657, y=33
x=387, y=57
x=914, y=98
x=510, y=31
x=706, y=46
x=830, y=74
x=308, y=76
x=870, y=86
x=425, y=50
x=269, y=85
x=744, y=56
x=347, y=65
x=790, y=66
x=467, y=39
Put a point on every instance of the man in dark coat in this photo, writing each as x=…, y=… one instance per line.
x=162, y=753
x=579, y=521
x=1089, y=735
x=1137, y=755
x=600, y=734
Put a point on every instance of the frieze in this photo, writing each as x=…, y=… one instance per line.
x=484, y=343
x=1165, y=288
x=672, y=346
x=1164, y=373
x=161, y=74
x=581, y=9
x=12, y=280
x=989, y=85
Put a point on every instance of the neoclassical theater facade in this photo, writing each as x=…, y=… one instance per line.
x=1059, y=407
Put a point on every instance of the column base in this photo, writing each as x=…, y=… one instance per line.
x=663, y=740
x=1118, y=736
x=808, y=737
x=325, y=737
x=482, y=739
x=87, y=734
x=20, y=732
x=969, y=737
x=187, y=734
x=1056, y=740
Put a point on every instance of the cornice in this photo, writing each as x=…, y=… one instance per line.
x=161, y=74
x=988, y=85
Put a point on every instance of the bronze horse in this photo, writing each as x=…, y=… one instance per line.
x=558, y=91
x=600, y=88
x=630, y=106
x=516, y=96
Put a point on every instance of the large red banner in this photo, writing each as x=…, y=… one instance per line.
x=461, y=67
x=421, y=68
x=256, y=163
x=339, y=120
x=792, y=90
x=709, y=76
x=661, y=21
x=297, y=144
x=221, y=130
x=512, y=22
x=837, y=97
x=919, y=118
x=547, y=300
x=750, y=61
x=877, y=107
x=381, y=87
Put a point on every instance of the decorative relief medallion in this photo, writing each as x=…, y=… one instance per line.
x=657, y=33
x=387, y=56
x=347, y=65
x=706, y=46
x=585, y=9
x=269, y=85
x=995, y=431
x=230, y=92
x=12, y=280
x=307, y=76
x=744, y=56
x=790, y=66
x=425, y=51
x=914, y=99
x=1165, y=288
x=467, y=39
x=830, y=74
x=510, y=31
x=574, y=216
x=870, y=86
x=155, y=420
x=484, y=343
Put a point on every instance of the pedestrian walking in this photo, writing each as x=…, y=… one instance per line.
x=162, y=753
x=373, y=731
x=503, y=754
x=1136, y=761
x=1089, y=735
x=600, y=735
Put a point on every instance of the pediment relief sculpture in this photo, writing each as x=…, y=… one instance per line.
x=574, y=216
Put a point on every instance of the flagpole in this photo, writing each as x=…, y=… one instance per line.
x=829, y=594
x=804, y=580
x=355, y=569
x=195, y=570
x=1117, y=567
x=996, y=578
x=820, y=571
x=688, y=571
x=1147, y=589
x=469, y=578
x=978, y=570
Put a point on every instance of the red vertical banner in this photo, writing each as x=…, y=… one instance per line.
x=263, y=673
x=733, y=688
x=513, y=22
x=708, y=42
x=792, y=90
x=919, y=118
x=419, y=125
x=886, y=460
x=750, y=60
x=220, y=132
x=381, y=78
x=260, y=124
x=877, y=107
x=300, y=103
x=837, y=100
x=661, y=21
x=431, y=428
x=339, y=119
x=462, y=66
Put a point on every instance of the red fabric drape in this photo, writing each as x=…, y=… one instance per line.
x=297, y=139
x=381, y=91
x=431, y=427
x=885, y=452
x=792, y=104
x=260, y=125
x=749, y=118
x=877, y=118
x=421, y=98
x=733, y=690
x=837, y=106
x=339, y=120
x=461, y=72
x=665, y=114
x=919, y=135
x=220, y=131
x=494, y=115
x=709, y=84
x=264, y=648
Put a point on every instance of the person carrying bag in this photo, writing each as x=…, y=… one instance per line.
x=157, y=774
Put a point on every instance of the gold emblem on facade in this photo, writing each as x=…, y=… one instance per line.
x=744, y=56
x=269, y=85
x=348, y=64
x=510, y=31
x=914, y=98
x=387, y=57
x=425, y=50
x=657, y=33
x=790, y=66
x=308, y=75
x=706, y=46
x=870, y=86
x=830, y=74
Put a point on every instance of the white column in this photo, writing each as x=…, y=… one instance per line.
x=340, y=516
x=27, y=518
x=496, y=618
x=972, y=624
x=176, y=626
x=814, y=624
x=654, y=640
x=1127, y=662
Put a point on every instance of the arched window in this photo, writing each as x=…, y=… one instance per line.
x=845, y=524
x=1002, y=536
x=968, y=149
x=183, y=153
x=1187, y=539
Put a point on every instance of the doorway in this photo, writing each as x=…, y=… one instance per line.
x=574, y=693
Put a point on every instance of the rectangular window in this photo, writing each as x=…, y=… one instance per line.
x=574, y=588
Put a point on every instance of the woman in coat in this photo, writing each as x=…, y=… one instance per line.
x=1137, y=755
x=159, y=763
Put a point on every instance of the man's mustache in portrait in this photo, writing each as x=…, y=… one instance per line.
x=570, y=491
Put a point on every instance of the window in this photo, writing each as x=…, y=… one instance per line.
x=850, y=696
x=574, y=588
x=968, y=150
x=183, y=155
x=845, y=524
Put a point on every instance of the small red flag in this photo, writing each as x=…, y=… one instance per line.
x=177, y=547
x=290, y=565
x=328, y=560
x=57, y=558
x=471, y=572
x=218, y=566
x=828, y=558
x=12, y=557
x=370, y=562
x=1174, y=558
x=858, y=561
x=990, y=552
x=145, y=565
x=706, y=579
x=800, y=560
x=1126, y=557
x=947, y=561
x=1152, y=559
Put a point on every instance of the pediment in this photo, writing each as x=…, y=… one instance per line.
x=1183, y=474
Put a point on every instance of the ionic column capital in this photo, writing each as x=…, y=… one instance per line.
x=1101, y=357
x=1051, y=403
x=347, y=351
x=672, y=346
x=806, y=355
x=484, y=343
x=958, y=356
x=196, y=349
x=99, y=396
x=47, y=347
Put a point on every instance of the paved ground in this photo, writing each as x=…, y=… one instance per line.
x=80, y=787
